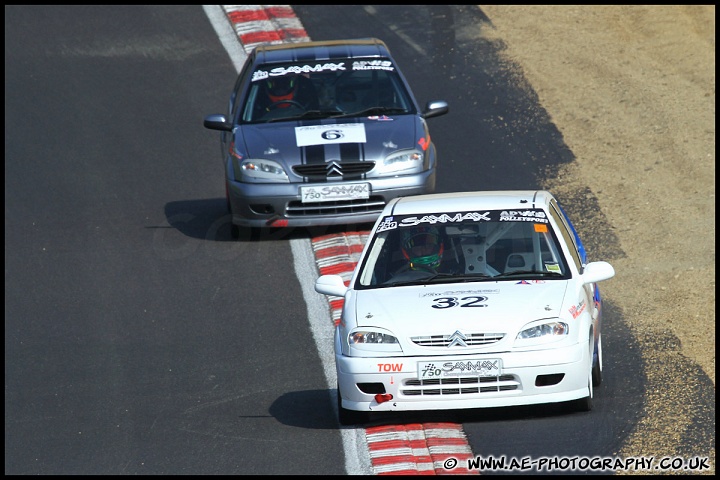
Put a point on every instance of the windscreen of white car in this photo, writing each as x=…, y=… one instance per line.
x=463, y=246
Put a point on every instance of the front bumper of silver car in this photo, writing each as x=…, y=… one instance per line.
x=279, y=205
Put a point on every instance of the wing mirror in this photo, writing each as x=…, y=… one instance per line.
x=217, y=122
x=435, y=109
x=331, y=285
x=597, y=272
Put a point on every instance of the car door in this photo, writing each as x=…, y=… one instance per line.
x=578, y=254
x=237, y=97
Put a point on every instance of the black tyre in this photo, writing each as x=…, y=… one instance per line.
x=586, y=404
x=234, y=229
x=597, y=364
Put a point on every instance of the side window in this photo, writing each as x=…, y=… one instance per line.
x=236, y=96
x=567, y=235
x=396, y=95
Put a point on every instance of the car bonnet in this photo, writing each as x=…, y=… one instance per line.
x=440, y=309
x=356, y=139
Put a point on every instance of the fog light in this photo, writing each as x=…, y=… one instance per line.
x=383, y=397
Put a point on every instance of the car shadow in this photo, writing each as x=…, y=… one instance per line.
x=477, y=415
x=311, y=409
x=208, y=219
x=316, y=409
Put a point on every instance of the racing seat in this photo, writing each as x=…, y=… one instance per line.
x=519, y=261
x=347, y=94
x=356, y=91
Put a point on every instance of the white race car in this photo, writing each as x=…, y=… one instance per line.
x=468, y=300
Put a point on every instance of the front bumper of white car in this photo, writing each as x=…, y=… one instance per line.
x=525, y=378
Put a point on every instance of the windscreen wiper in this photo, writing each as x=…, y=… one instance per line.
x=372, y=111
x=526, y=273
x=307, y=114
x=454, y=277
x=440, y=278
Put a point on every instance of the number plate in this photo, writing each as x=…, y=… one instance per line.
x=459, y=368
x=330, y=193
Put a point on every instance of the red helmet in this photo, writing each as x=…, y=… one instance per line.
x=281, y=88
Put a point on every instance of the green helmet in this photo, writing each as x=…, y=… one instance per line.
x=423, y=247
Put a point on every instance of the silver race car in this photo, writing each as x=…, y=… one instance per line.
x=322, y=133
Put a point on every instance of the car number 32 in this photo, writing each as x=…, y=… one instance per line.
x=449, y=302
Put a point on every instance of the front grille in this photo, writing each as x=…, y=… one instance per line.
x=460, y=385
x=471, y=339
x=345, y=168
x=373, y=204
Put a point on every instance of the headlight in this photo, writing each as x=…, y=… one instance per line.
x=542, y=333
x=370, y=337
x=405, y=162
x=262, y=171
x=372, y=341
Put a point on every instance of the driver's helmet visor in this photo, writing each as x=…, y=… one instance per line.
x=282, y=98
x=424, y=249
x=284, y=85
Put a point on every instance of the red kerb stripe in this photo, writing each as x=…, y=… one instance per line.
x=243, y=16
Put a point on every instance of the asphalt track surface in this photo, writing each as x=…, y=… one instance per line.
x=139, y=339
